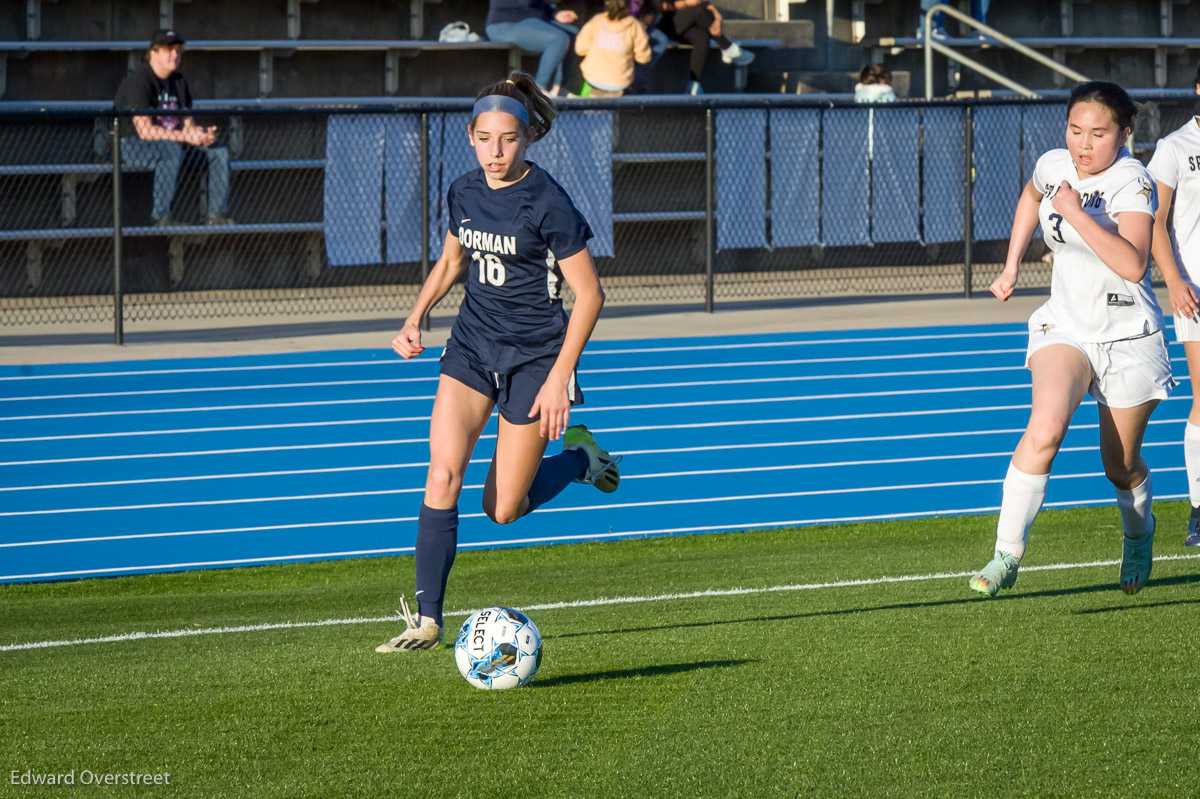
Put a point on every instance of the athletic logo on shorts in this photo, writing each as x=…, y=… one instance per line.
x=1116, y=300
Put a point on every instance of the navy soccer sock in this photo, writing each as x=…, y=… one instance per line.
x=555, y=474
x=437, y=540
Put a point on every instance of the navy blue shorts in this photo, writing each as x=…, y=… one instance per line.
x=513, y=393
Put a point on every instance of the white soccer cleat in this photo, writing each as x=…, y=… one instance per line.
x=419, y=633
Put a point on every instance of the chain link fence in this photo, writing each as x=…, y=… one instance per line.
x=694, y=202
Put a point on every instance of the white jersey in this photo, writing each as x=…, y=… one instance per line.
x=1095, y=302
x=1176, y=163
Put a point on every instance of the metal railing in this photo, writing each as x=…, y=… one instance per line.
x=339, y=210
x=932, y=46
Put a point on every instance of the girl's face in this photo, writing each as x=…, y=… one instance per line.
x=500, y=140
x=1093, y=138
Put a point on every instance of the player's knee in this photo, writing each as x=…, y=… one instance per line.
x=502, y=514
x=442, y=484
x=1124, y=474
x=1045, y=437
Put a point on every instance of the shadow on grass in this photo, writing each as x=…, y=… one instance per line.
x=966, y=600
x=1139, y=606
x=647, y=671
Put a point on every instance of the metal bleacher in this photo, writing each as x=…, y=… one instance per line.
x=1090, y=43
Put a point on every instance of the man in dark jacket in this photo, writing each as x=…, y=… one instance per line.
x=163, y=142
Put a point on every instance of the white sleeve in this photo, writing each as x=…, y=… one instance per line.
x=1139, y=195
x=1164, y=165
x=1041, y=171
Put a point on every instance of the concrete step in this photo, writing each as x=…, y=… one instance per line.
x=795, y=34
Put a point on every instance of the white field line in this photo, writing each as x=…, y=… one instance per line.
x=565, y=605
x=479, y=515
x=590, y=388
x=593, y=350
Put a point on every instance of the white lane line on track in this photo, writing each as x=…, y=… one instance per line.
x=399, y=441
x=477, y=461
x=590, y=388
x=582, y=410
x=592, y=350
x=572, y=509
x=565, y=605
x=615, y=370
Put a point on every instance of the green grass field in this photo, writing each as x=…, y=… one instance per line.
x=1062, y=686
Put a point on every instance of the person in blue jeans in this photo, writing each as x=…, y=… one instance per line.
x=535, y=25
x=168, y=141
x=979, y=10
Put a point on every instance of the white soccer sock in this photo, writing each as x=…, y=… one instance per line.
x=1023, y=498
x=1135, y=509
x=1191, y=459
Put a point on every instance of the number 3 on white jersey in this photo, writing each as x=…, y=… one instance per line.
x=491, y=268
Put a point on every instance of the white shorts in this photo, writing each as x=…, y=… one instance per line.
x=1125, y=373
x=1187, y=329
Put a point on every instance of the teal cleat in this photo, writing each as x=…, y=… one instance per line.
x=1136, y=561
x=1001, y=572
x=602, y=471
x=1193, y=533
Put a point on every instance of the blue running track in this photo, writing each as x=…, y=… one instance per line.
x=134, y=467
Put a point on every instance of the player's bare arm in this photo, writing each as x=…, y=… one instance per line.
x=1025, y=222
x=449, y=266
x=1182, y=296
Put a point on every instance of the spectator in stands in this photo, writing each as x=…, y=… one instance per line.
x=165, y=142
x=874, y=85
x=535, y=25
x=648, y=13
x=694, y=22
x=610, y=44
x=979, y=10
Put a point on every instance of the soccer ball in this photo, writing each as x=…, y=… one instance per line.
x=498, y=648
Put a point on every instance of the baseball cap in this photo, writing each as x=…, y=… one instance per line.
x=164, y=37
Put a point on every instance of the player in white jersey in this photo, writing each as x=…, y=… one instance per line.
x=1176, y=168
x=1100, y=333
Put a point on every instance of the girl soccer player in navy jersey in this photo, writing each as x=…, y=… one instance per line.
x=518, y=235
x=1100, y=333
x=1176, y=168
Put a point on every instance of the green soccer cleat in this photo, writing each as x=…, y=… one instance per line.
x=1001, y=572
x=602, y=471
x=1136, y=562
x=419, y=633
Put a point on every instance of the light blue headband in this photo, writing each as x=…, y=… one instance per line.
x=503, y=104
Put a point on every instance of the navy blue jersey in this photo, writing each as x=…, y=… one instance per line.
x=512, y=314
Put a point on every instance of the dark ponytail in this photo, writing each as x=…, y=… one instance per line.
x=521, y=87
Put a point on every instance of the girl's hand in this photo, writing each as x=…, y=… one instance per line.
x=1183, y=299
x=1066, y=199
x=554, y=406
x=1003, y=286
x=407, y=342
x=566, y=17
